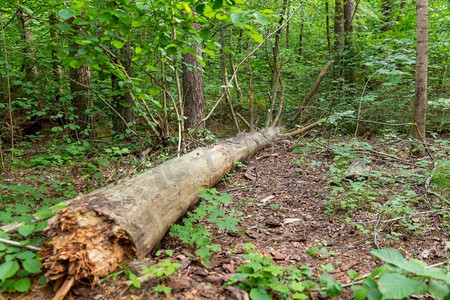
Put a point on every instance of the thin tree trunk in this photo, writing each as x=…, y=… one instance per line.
x=349, y=70
x=223, y=70
x=122, y=99
x=287, y=30
x=250, y=86
x=276, y=46
x=80, y=81
x=420, y=104
x=233, y=70
x=327, y=16
x=26, y=36
x=338, y=34
x=386, y=11
x=300, y=40
x=194, y=98
x=56, y=65
x=401, y=10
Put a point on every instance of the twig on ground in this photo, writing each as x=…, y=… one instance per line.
x=403, y=217
x=17, y=244
x=381, y=154
x=375, y=230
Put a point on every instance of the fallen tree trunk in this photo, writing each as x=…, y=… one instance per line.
x=106, y=227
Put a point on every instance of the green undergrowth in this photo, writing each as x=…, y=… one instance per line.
x=398, y=278
x=211, y=210
x=385, y=190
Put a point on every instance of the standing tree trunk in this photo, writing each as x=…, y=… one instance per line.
x=56, y=64
x=349, y=70
x=194, y=99
x=287, y=30
x=223, y=70
x=300, y=40
x=327, y=19
x=386, y=11
x=80, y=81
x=401, y=10
x=276, y=46
x=420, y=104
x=338, y=34
x=122, y=99
x=26, y=36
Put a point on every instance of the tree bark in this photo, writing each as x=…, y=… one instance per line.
x=122, y=99
x=327, y=22
x=80, y=81
x=108, y=226
x=420, y=104
x=194, y=98
x=26, y=36
x=338, y=34
x=386, y=12
x=349, y=70
x=401, y=11
x=300, y=40
x=56, y=64
x=276, y=45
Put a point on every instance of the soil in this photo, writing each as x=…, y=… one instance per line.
x=284, y=215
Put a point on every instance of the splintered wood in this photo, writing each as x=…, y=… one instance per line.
x=85, y=247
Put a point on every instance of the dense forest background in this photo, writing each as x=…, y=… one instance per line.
x=94, y=91
x=122, y=68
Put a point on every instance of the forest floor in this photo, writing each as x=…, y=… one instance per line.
x=299, y=209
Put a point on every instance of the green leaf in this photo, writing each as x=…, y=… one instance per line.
x=26, y=255
x=352, y=274
x=200, y=9
x=259, y=294
x=8, y=269
x=235, y=18
x=32, y=265
x=256, y=37
x=45, y=213
x=67, y=13
x=297, y=286
x=205, y=33
x=438, y=289
x=377, y=271
x=360, y=293
x=396, y=286
x=117, y=44
x=388, y=255
x=22, y=285
x=260, y=18
x=217, y=4
x=280, y=288
x=26, y=230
